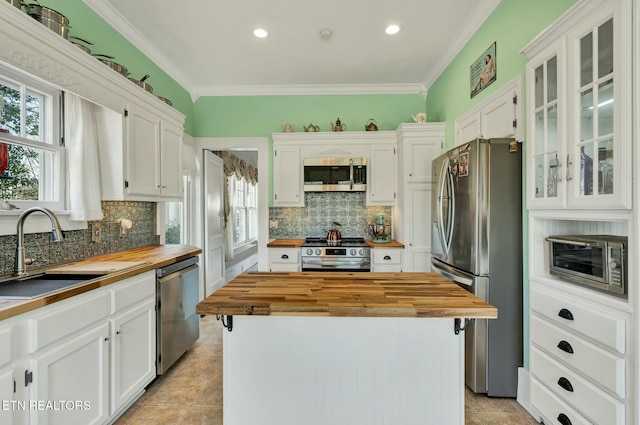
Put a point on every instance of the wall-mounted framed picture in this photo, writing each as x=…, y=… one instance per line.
x=483, y=70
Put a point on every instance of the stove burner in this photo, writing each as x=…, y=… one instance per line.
x=345, y=242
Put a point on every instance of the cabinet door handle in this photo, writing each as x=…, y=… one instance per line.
x=565, y=346
x=565, y=383
x=565, y=314
x=563, y=419
x=284, y=257
x=386, y=257
x=118, y=332
x=569, y=163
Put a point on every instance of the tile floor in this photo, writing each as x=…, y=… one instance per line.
x=190, y=393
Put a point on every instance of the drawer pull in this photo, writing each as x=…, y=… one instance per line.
x=565, y=314
x=564, y=383
x=386, y=257
x=565, y=346
x=284, y=257
x=563, y=419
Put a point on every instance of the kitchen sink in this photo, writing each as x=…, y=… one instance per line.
x=28, y=287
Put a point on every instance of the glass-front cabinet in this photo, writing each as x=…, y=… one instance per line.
x=579, y=110
x=547, y=117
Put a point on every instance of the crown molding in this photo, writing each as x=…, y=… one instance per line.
x=135, y=37
x=469, y=28
x=308, y=89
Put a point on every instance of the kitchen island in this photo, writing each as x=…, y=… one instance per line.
x=343, y=348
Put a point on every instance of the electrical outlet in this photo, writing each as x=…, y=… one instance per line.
x=96, y=232
x=273, y=224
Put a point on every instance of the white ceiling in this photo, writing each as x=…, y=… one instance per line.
x=208, y=46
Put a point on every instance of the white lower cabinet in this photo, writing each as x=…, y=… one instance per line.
x=284, y=260
x=578, y=358
x=386, y=260
x=133, y=342
x=82, y=360
x=70, y=381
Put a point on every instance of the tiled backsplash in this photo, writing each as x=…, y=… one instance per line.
x=77, y=243
x=347, y=208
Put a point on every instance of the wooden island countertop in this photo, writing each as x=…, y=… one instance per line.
x=345, y=294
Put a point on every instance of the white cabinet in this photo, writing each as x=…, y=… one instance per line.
x=284, y=260
x=92, y=354
x=133, y=339
x=381, y=182
x=76, y=371
x=287, y=176
x=377, y=147
x=140, y=154
x=418, y=146
x=495, y=117
x=579, y=153
x=153, y=155
x=578, y=354
x=133, y=343
x=386, y=259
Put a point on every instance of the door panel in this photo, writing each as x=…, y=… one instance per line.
x=214, y=182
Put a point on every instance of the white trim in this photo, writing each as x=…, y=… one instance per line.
x=468, y=30
x=574, y=15
x=524, y=393
x=261, y=144
x=114, y=18
x=308, y=89
x=36, y=223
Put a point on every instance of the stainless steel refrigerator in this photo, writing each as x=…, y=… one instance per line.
x=476, y=218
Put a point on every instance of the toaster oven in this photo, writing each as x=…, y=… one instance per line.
x=597, y=261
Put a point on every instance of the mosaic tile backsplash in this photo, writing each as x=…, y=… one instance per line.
x=77, y=243
x=347, y=208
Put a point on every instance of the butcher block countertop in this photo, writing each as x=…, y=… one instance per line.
x=391, y=244
x=285, y=243
x=345, y=294
x=116, y=267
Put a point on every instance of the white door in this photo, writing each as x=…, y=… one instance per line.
x=213, y=223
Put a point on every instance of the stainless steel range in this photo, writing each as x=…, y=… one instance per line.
x=345, y=255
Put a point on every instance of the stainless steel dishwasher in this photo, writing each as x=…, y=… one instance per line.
x=177, y=324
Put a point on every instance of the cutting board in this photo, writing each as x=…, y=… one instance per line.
x=94, y=267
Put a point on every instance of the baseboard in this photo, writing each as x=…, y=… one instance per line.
x=524, y=394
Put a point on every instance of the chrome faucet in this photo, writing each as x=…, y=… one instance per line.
x=56, y=232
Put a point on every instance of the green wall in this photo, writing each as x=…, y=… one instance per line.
x=262, y=115
x=512, y=25
x=86, y=24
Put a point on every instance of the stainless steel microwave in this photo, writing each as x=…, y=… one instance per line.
x=335, y=174
x=598, y=261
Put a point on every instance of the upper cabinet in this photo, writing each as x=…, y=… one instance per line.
x=496, y=117
x=290, y=150
x=579, y=106
x=140, y=153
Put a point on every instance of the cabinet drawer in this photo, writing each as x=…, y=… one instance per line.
x=132, y=291
x=552, y=408
x=5, y=343
x=60, y=321
x=577, y=391
x=383, y=257
x=599, y=365
x=595, y=323
x=284, y=255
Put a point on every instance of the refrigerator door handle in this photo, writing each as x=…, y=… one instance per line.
x=452, y=274
x=445, y=232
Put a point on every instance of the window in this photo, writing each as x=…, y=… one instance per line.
x=31, y=153
x=244, y=208
x=176, y=223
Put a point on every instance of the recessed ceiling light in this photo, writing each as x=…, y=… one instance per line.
x=392, y=29
x=260, y=33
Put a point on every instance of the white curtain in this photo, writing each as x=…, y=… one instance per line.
x=83, y=172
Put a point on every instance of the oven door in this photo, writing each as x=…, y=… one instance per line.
x=578, y=261
x=335, y=264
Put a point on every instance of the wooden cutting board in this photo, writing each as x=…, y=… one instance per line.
x=94, y=267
